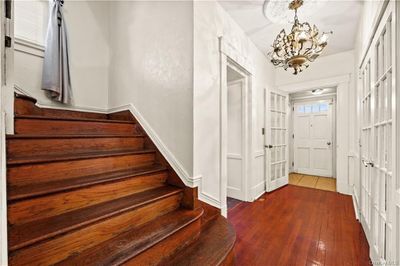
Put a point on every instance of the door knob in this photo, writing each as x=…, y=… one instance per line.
x=367, y=163
x=268, y=146
x=329, y=143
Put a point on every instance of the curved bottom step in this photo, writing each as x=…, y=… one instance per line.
x=214, y=246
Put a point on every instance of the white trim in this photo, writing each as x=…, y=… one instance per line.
x=28, y=47
x=259, y=153
x=234, y=156
x=315, y=84
x=355, y=204
x=203, y=196
x=190, y=181
x=234, y=59
x=63, y=107
x=258, y=190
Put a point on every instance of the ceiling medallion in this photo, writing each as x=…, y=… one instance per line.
x=301, y=46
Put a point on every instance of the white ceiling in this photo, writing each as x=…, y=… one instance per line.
x=341, y=17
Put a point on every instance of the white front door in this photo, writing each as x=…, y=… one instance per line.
x=378, y=142
x=313, y=142
x=235, y=143
x=276, y=139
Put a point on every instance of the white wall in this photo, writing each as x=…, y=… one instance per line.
x=211, y=22
x=88, y=32
x=152, y=68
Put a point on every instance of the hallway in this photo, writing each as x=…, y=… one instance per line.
x=299, y=226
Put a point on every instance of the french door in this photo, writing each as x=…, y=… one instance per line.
x=313, y=138
x=378, y=137
x=276, y=140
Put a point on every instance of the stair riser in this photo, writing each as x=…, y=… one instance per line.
x=42, y=207
x=26, y=107
x=168, y=247
x=38, y=147
x=44, y=172
x=59, y=248
x=60, y=127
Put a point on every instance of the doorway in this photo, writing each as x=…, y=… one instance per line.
x=312, y=131
x=236, y=89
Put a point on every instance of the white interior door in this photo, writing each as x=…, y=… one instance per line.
x=378, y=138
x=313, y=138
x=276, y=139
x=235, y=140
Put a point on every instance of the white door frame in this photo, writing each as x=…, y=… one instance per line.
x=6, y=117
x=293, y=102
x=226, y=59
x=342, y=84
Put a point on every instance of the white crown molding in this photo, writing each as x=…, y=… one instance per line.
x=28, y=47
x=190, y=181
x=315, y=84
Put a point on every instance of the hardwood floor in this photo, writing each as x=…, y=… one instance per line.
x=299, y=226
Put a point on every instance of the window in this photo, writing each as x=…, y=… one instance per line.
x=31, y=18
x=313, y=108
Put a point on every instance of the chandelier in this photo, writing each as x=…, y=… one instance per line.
x=301, y=46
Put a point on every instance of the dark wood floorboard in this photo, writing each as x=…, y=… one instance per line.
x=299, y=226
x=232, y=203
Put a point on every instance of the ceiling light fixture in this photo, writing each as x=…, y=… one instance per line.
x=317, y=91
x=301, y=46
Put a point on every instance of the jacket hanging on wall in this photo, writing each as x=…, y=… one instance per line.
x=56, y=78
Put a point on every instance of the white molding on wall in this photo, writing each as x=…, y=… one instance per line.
x=61, y=106
x=190, y=181
x=259, y=153
x=28, y=47
x=355, y=203
x=203, y=196
x=314, y=84
x=235, y=156
x=258, y=190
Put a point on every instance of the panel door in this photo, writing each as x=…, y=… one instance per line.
x=235, y=140
x=313, y=138
x=277, y=149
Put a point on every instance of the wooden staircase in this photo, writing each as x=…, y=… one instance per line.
x=92, y=189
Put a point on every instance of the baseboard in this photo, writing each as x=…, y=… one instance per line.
x=62, y=107
x=355, y=204
x=257, y=191
x=190, y=181
x=343, y=188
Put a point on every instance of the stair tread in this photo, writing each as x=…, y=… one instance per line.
x=214, y=244
x=40, y=189
x=39, y=117
x=73, y=156
x=22, y=235
x=131, y=243
x=28, y=136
